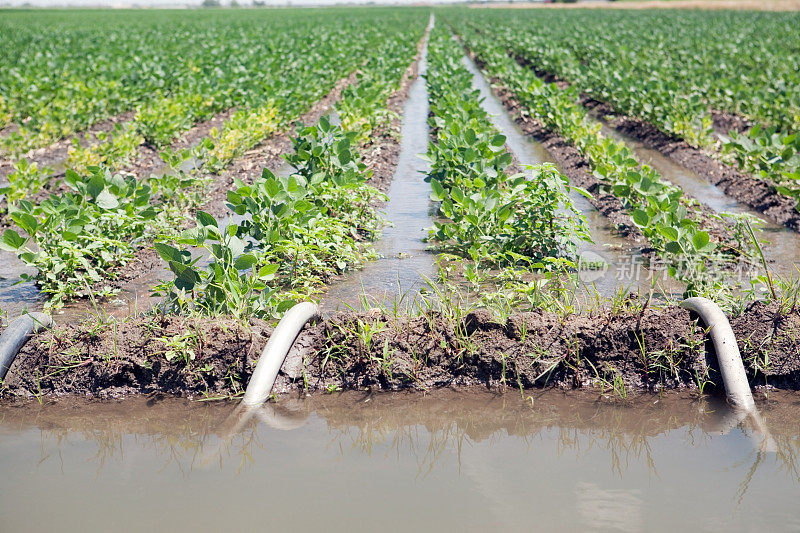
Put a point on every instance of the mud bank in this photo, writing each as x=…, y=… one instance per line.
x=611, y=352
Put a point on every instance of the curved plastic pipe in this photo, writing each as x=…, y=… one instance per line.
x=275, y=351
x=17, y=334
x=737, y=388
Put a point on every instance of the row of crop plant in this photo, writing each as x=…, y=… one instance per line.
x=677, y=75
x=671, y=222
x=297, y=229
x=61, y=72
x=501, y=224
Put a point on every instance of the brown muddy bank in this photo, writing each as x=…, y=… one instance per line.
x=613, y=352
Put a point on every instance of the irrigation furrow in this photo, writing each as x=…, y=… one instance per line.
x=782, y=245
x=755, y=193
x=568, y=159
x=626, y=265
x=397, y=276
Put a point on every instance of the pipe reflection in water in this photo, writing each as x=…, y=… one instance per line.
x=458, y=460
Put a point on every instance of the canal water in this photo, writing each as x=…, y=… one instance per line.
x=441, y=461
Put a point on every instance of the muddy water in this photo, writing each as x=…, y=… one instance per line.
x=442, y=461
x=399, y=275
x=781, y=245
x=625, y=268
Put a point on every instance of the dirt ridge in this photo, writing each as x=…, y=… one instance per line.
x=650, y=350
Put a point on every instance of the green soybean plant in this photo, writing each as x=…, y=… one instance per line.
x=77, y=240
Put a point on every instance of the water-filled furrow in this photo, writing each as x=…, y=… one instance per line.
x=626, y=265
x=781, y=245
x=461, y=460
x=400, y=272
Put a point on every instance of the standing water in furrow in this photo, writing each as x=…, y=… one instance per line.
x=405, y=261
x=624, y=264
x=781, y=245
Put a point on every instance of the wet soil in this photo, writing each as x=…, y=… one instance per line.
x=382, y=152
x=399, y=275
x=725, y=122
x=652, y=350
x=148, y=161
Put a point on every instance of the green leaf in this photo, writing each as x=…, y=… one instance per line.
x=640, y=218
x=12, y=241
x=204, y=219
x=106, y=200
x=26, y=221
x=267, y=272
x=168, y=253
x=185, y=275
x=438, y=194
x=244, y=262
x=673, y=247
x=700, y=240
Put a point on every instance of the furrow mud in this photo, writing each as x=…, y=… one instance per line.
x=416, y=352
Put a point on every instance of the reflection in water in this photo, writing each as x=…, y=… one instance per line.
x=465, y=459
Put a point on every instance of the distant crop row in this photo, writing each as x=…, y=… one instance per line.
x=60, y=72
x=674, y=69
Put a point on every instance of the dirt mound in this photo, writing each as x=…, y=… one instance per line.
x=620, y=352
